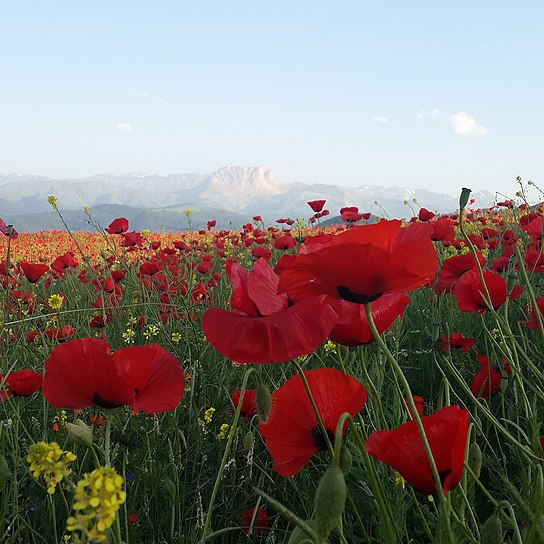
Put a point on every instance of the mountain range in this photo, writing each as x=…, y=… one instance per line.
x=231, y=195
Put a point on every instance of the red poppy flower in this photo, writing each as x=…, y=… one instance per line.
x=83, y=372
x=470, y=292
x=249, y=404
x=8, y=230
x=402, y=449
x=291, y=432
x=316, y=205
x=155, y=375
x=362, y=264
x=118, y=226
x=350, y=214
x=260, y=523
x=62, y=262
x=33, y=272
x=265, y=327
x=453, y=268
x=20, y=383
x=456, y=341
x=425, y=215
x=487, y=381
x=285, y=242
x=131, y=239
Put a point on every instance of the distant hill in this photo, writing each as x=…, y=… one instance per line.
x=231, y=195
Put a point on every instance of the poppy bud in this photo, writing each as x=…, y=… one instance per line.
x=492, y=531
x=4, y=471
x=248, y=441
x=329, y=501
x=463, y=199
x=299, y=536
x=79, y=433
x=263, y=399
x=475, y=459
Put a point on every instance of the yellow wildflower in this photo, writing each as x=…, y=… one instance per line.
x=208, y=414
x=53, y=201
x=97, y=497
x=55, y=302
x=223, y=431
x=176, y=337
x=51, y=462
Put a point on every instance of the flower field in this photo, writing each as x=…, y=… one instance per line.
x=378, y=381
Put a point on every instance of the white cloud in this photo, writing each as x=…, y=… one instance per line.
x=138, y=92
x=126, y=128
x=465, y=125
x=424, y=114
x=164, y=103
x=380, y=120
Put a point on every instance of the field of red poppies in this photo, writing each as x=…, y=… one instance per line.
x=378, y=381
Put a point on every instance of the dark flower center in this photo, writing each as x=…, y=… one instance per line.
x=99, y=401
x=319, y=439
x=359, y=298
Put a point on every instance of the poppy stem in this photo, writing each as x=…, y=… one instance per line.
x=444, y=504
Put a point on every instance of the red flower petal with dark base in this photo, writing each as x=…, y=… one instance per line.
x=402, y=449
x=155, y=375
x=291, y=432
x=117, y=226
x=20, y=383
x=81, y=373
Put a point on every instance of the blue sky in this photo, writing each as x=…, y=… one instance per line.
x=429, y=94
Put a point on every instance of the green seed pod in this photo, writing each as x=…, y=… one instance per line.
x=330, y=499
x=79, y=433
x=249, y=441
x=4, y=471
x=170, y=488
x=263, y=399
x=475, y=458
x=492, y=531
x=298, y=536
x=346, y=459
x=463, y=199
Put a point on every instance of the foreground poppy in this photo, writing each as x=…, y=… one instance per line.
x=402, y=449
x=364, y=263
x=487, y=382
x=265, y=327
x=20, y=383
x=291, y=432
x=84, y=372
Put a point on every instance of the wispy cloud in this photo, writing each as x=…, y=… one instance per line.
x=163, y=103
x=380, y=120
x=138, y=92
x=465, y=125
x=426, y=114
x=126, y=128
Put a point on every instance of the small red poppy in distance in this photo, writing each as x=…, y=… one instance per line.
x=260, y=523
x=292, y=432
x=487, y=381
x=20, y=383
x=83, y=372
x=33, y=272
x=265, y=327
x=249, y=404
x=316, y=205
x=532, y=313
x=402, y=449
x=362, y=264
x=118, y=226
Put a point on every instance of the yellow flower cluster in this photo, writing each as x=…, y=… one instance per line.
x=223, y=431
x=49, y=460
x=97, y=498
x=53, y=201
x=208, y=414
